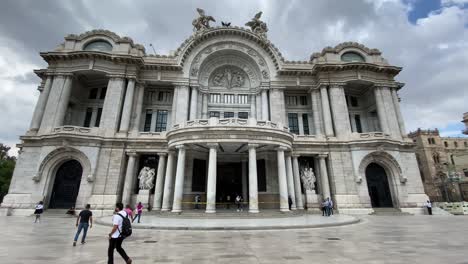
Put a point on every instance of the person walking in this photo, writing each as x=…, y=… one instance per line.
x=290, y=202
x=330, y=207
x=129, y=211
x=239, y=203
x=429, y=207
x=139, y=209
x=197, y=201
x=84, y=220
x=39, y=209
x=115, y=239
x=326, y=207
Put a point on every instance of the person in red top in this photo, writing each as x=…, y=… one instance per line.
x=129, y=211
x=139, y=209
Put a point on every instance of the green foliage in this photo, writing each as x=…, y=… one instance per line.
x=7, y=165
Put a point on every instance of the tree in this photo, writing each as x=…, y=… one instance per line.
x=7, y=165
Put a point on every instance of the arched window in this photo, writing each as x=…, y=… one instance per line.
x=98, y=45
x=352, y=57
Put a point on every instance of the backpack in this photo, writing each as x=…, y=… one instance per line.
x=126, y=227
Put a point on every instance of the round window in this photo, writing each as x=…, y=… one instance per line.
x=352, y=57
x=99, y=45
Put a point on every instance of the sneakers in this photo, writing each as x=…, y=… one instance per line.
x=83, y=242
x=74, y=243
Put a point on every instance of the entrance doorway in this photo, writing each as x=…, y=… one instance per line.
x=66, y=185
x=378, y=187
x=228, y=183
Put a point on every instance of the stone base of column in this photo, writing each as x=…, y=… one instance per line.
x=176, y=211
x=284, y=209
x=210, y=211
x=254, y=211
x=143, y=197
x=165, y=209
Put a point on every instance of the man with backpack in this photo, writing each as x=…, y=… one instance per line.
x=121, y=229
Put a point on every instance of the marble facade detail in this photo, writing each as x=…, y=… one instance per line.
x=225, y=97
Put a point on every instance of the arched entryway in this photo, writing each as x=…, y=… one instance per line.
x=66, y=185
x=378, y=187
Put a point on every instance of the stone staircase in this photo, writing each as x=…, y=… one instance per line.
x=389, y=212
x=439, y=211
x=228, y=214
x=58, y=213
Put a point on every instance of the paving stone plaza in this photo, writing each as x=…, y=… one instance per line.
x=376, y=239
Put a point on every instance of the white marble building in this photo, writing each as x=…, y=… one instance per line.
x=225, y=114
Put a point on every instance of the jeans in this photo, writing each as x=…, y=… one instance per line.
x=81, y=226
x=116, y=243
x=137, y=215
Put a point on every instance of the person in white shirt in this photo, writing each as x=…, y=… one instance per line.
x=115, y=239
x=429, y=207
x=39, y=209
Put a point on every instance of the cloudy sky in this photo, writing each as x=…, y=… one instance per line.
x=428, y=38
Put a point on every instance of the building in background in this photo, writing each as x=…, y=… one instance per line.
x=226, y=114
x=443, y=162
x=465, y=121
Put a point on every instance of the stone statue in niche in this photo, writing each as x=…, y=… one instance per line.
x=257, y=26
x=229, y=78
x=146, y=177
x=203, y=21
x=308, y=178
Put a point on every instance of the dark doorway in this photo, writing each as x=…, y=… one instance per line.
x=377, y=185
x=228, y=182
x=66, y=185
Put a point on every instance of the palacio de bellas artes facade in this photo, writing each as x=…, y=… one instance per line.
x=223, y=115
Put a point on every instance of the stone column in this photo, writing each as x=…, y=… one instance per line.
x=182, y=104
x=193, y=103
x=390, y=113
x=158, y=189
x=139, y=108
x=314, y=94
x=128, y=106
x=129, y=179
x=324, y=177
x=168, y=181
x=297, y=182
x=211, y=183
x=396, y=105
x=282, y=181
x=205, y=106
x=327, y=120
x=253, y=181
x=381, y=110
x=174, y=107
x=111, y=109
x=290, y=180
x=278, y=108
x=265, y=114
x=63, y=101
x=340, y=111
x=41, y=104
x=53, y=101
x=179, y=181
x=253, y=108
x=258, y=99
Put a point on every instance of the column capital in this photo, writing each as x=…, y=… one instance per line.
x=281, y=148
x=322, y=156
x=63, y=74
x=132, y=154
x=162, y=154
x=115, y=76
x=253, y=145
x=295, y=155
x=213, y=145
x=182, y=146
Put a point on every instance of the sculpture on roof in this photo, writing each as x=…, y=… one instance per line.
x=257, y=26
x=203, y=21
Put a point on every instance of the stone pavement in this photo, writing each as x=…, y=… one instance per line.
x=377, y=239
x=231, y=222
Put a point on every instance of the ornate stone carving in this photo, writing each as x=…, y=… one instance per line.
x=229, y=78
x=265, y=74
x=146, y=177
x=203, y=21
x=308, y=178
x=257, y=26
x=194, y=71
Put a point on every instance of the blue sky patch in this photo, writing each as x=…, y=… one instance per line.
x=422, y=8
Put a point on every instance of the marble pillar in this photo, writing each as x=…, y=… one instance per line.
x=193, y=103
x=324, y=177
x=128, y=106
x=63, y=101
x=314, y=94
x=381, y=110
x=340, y=111
x=265, y=111
x=205, y=106
x=277, y=113
x=282, y=181
x=41, y=104
x=168, y=182
x=112, y=107
x=327, y=120
x=396, y=105
x=290, y=180
x=253, y=180
x=297, y=182
x=182, y=102
x=139, y=108
x=253, y=107
x=130, y=177
x=179, y=181
x=211, y=183
x=158, y=188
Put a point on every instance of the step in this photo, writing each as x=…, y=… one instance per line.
x=388, y=211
